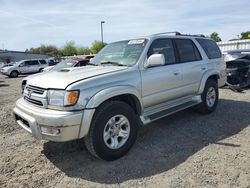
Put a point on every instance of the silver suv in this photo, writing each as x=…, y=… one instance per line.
x=24, y=67
x=128, y=84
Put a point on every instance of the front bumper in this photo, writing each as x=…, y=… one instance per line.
x=35, y=120
x=5, y=73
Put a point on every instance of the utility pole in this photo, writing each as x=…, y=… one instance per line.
x=102, y=22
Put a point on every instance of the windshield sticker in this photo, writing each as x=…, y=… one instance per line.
x=138, y=41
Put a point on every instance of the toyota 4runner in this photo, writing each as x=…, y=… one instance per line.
x=129, y=83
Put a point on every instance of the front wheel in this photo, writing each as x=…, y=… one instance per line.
x=209, y=98
x=13, y=74
x=113, y=131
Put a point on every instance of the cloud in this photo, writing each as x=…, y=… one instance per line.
x=28, y=23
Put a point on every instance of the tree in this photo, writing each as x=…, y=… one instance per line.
x=45, y=49
x=69, y=49
x=83, y=51
x=97, y=46
x=245, y=35
x=215, y=36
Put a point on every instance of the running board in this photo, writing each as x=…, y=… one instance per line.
x=153, y=117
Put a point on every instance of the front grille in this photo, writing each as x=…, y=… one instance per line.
x=39, y=103
x=34, y=89
x=35, y=95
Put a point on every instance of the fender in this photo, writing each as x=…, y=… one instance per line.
x=99, y=98
x=205, y=76
x=110, y=92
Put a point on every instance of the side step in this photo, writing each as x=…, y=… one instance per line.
x=169, y=111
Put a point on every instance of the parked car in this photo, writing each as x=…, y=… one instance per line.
x=238, y=68
x=128, y=83
x=7, y=65
x=63, y=64
x=24, y=67
x=52, y=62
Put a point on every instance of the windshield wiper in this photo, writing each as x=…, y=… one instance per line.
x=112, y=63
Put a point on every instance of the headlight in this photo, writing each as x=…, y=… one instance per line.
x=62, y=98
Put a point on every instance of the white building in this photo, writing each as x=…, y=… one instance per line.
x=234, y=45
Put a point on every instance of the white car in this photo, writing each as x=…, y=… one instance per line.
x=24, y=67
x=57, y=67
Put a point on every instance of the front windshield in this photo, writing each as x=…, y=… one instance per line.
x=63, y=64
x=120, y=53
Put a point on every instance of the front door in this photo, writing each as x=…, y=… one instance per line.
x=162, y=83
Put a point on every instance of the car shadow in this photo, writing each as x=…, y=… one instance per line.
x=160, y=146
x=4, y=85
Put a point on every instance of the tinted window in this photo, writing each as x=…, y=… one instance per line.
x=187, y=50
x=83, y=63
x=210, y=48
x=165, y=47
x=26, y=63
x=30, y=63
x=43, y=62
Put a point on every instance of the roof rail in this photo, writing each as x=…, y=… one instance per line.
x=178, y=33
x=199, y=35
x=172, y=32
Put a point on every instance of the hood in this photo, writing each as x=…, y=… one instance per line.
x=6, y=68
x=46, y=69
x=61, y=79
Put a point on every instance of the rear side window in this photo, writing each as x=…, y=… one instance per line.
x=187, y=50
x=210, y=48
x=43, y=62
x=165, y=47
x=33, y=63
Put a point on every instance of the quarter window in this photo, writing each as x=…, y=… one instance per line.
x=210, y=48
x=165, y=47
x=187, y=50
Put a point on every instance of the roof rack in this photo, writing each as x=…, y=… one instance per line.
x=178, y=33
x=172, y=32
x=199, y=35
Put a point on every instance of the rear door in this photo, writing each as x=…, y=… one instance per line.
x=162, y=83
x=191, y=64
x=34, y=66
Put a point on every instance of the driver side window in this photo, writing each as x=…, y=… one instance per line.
x=165, y=47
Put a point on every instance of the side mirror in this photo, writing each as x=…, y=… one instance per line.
x=155, y=60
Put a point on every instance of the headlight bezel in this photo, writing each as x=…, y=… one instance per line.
x=61, y=100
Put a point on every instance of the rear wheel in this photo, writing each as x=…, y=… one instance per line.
x=209, y=98
x=113, y=131
x=14, y=74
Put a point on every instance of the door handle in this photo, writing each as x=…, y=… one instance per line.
x=176, y=73
x=203, y=68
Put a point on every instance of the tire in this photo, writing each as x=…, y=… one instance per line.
x=40, y=70
x=13, y=74
x=111, y=112
x=208, y=106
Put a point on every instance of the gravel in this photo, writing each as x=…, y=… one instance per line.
x=184, y=150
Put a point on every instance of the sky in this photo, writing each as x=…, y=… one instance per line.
x=29, y=23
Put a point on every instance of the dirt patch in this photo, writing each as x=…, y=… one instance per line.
x=184, y=150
